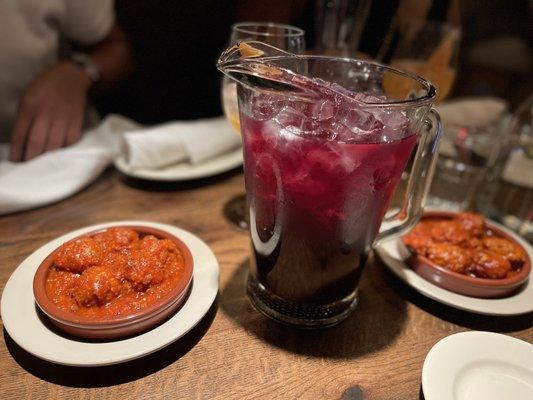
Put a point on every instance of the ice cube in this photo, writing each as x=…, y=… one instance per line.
x=342, y=133
x=395, y=124
x=289, y=117
x=359, y=120
x=366, y=97
x=295, y=121
x=323, y=110
x=325, y=134
x=263, y=107
x=345, y=162
x=363, y=125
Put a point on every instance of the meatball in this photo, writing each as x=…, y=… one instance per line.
x=489, y=264
x=59, y=284
x=160, y=248
x=450, y=256
x=77, y=255
x=451, y=232
x=473, y=223
x=116, y=238
x=144, y=270
x=116, y=261
x=510, y=251
x=146, y=265
x=97, y=286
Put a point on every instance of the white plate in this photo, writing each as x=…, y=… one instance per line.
x=393, y=254
x=478, y=366
x=184, y=171
x=21, y=321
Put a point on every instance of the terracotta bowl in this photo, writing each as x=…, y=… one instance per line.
x=463, y=284
x=115, y=327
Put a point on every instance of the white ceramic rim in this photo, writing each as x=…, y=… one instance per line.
x=448, y=357
x=184, y=171
x=23, y=325
x=519, y=303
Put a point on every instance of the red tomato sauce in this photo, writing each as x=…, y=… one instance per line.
x=113, y=273
x=465, y=245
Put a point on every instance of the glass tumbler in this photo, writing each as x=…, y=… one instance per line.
x=465, y=155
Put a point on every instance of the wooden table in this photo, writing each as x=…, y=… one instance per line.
x=235, y=352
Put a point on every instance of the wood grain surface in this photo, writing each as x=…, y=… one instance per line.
x=235, y=352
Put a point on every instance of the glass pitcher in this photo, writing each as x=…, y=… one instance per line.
x=324, y=148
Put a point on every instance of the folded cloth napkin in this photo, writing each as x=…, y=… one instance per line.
x=58, y=174
x=174, y=142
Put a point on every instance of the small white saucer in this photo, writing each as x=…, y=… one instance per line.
x=21, y=321
x=184, y=171
x=393, y=253
x=478, y=366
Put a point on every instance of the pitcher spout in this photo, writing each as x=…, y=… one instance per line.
x=248, y=63
x=247, y=50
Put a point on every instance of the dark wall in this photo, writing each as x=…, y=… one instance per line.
x=175, y=44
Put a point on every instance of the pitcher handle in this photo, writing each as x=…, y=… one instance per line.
x=419, y=182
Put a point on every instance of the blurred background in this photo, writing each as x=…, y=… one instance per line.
x=176, y=42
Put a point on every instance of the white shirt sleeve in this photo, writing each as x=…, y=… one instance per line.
x=87, y=22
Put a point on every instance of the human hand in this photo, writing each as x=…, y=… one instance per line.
x=51, y=111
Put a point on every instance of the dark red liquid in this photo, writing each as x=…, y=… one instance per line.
x=316, y=205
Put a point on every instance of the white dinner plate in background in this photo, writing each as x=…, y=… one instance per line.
x=184, y=171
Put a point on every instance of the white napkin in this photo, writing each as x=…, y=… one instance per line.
x=167, y=144
x=58, y=174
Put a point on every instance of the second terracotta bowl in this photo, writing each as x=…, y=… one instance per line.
x=464, y=284
x=115, y=327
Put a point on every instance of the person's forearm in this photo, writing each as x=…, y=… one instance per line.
x=113, y=57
